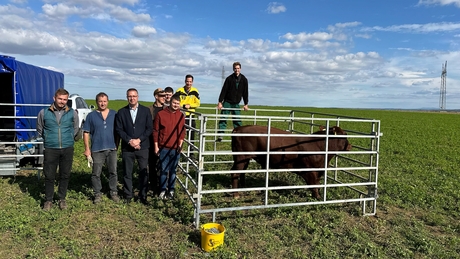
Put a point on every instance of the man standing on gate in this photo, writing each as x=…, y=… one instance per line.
x=100, y=127
x=234, y=89
x=58, y=126
x=189, y=101
x=134, y=126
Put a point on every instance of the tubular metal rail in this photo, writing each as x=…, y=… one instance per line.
x=351, y=176
x=12, y=151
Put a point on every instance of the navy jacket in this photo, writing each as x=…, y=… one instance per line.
x=128, y=130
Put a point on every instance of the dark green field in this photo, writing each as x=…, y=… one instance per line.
x=418, y=210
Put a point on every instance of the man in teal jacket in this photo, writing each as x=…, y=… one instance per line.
x=58, y=126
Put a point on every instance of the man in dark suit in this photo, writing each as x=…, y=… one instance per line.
x=134, y=126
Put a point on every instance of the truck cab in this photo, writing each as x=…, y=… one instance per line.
x=79, y=104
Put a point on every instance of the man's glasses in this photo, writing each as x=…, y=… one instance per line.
x=132, y=96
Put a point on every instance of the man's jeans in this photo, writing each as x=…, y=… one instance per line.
x=169, y=158
x=99, y=158
x=54, y=157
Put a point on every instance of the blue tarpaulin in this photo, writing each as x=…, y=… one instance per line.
x=30, y=85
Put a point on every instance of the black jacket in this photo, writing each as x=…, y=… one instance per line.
x=128, y=130
x=230, y=93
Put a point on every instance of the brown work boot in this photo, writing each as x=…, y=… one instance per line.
x=97, y=198
x=47, y=206
x=62, y=204
x=115, y=197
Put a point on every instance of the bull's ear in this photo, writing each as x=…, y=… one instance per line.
x=338, y=130
x=322, y=128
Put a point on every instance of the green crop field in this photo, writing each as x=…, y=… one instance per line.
x=418, y=209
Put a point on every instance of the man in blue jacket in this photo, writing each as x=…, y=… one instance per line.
x=58, y=126
x=134, y=126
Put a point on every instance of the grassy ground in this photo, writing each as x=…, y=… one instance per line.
x=417, y=210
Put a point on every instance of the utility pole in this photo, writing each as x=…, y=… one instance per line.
x=223, y=76
x=442, y=96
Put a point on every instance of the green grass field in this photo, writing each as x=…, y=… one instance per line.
x=418, y=210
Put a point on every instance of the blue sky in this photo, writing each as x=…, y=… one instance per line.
x=322, y=53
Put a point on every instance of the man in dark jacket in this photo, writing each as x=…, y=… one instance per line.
x=134, y=126
x=158, y=105
x=234, y=89
x=58, y=126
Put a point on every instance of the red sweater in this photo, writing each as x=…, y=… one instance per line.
x=169, y=128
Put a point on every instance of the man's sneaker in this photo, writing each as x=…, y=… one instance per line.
x=47, y=206
x=115, y=197
x=171, y=195
x=97, y=198
x=219, y=139
x=162, y=195
x=62, y=204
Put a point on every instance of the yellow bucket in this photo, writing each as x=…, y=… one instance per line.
x=209, y=240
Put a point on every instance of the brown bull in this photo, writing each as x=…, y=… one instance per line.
x=281, y=161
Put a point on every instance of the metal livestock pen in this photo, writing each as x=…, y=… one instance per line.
x=351, y=176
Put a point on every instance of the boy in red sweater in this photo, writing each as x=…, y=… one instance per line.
x=168, y=136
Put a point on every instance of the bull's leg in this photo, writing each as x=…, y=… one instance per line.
x=243, y=175
x=312, y=178
x=239, y=165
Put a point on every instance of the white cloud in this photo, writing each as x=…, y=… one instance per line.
x=18, y=1
x=222, y=46
x=275, y=7
x=417, y=28
x=257, y=45
x=439, y=2
x=321, y=36
x=143, y=31
x=347, y=24
x=124, y=48
x=97, y=10
x=124, y=14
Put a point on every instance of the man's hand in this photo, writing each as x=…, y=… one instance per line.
x=90, y=161
x=135, y=143
x=245, y=107
x=187, y=106
x=87, y=152
x=219, y=106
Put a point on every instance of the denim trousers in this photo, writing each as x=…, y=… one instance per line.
x=169, y=158
x=54, y=157
x=99, y=158
x=129, y=157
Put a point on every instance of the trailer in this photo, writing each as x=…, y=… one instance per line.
x=26, y=89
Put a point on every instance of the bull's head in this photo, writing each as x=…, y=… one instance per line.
x=336, y=130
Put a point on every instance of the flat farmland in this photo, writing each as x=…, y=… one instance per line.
x=418, y=209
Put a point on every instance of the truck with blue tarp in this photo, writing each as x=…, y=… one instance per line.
x=25, y=90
